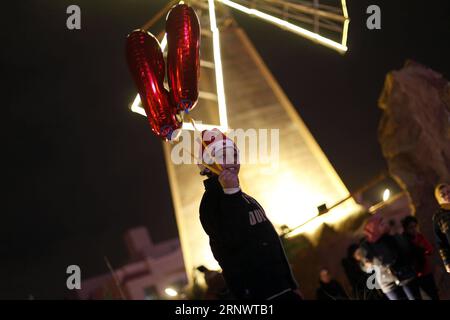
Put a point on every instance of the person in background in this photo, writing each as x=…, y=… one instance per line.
x=425, y=278
x=393, y=255
x=441, y=223
x=394, y=227
x=329, y=289
x=380, y=279
x=355, y=275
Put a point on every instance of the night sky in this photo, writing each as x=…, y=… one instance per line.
x=81, y=168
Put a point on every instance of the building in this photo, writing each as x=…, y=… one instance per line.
x=155, y=271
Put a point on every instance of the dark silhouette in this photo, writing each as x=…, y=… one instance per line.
x=329, y=289
x=423, y=249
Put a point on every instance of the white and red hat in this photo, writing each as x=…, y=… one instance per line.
x=216, y=148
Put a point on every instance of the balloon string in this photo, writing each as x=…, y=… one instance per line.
x=158, y=16
x=203, y=142
x=213, y=169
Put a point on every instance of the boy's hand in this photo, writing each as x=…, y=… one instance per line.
x=447, y=268
x=229, y=179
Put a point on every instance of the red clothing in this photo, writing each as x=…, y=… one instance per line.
x=420, y=241
x=373, y=230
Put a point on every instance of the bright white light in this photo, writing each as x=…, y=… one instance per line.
x=164, y=42
x=386, y=194
x=171, y=292
x=344, y=8
x=288, y=202
x=333, y=217
x=218, y=66
x=135, y=106
x=346, y=23
x=283, y=23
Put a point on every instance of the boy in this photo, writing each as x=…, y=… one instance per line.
x=242, y=238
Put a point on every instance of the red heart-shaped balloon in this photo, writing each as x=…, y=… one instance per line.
x=146, y=64
x=183, y=58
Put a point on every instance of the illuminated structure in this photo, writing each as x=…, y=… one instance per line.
x=238, y=91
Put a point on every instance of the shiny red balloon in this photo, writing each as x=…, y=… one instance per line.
x=183, y=58
x=146, y=64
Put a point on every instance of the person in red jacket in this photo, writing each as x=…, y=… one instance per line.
x=425, y=276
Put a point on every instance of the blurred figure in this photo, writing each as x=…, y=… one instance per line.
x=394, y=227
x=425, y=278
x=393, y=256
x=357, y=275
x=384, y=279
x=329, y=289
x=441, y=223
x=217, y=287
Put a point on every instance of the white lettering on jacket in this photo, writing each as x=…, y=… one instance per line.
x=255, y=216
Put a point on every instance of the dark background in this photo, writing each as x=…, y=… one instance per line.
x=81, y=168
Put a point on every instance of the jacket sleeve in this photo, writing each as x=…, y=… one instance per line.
x=234, y=218
x=442, y=243
x=424, y=243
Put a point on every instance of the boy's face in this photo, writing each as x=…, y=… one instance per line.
x=229, y=160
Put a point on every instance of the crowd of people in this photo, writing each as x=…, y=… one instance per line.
x=395, y=263
x=389, y=262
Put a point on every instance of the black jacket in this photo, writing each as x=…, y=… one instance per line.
x=395, y=253
x=441, y=223
x=245, y=243
x=331, y=291
x=356, y=277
